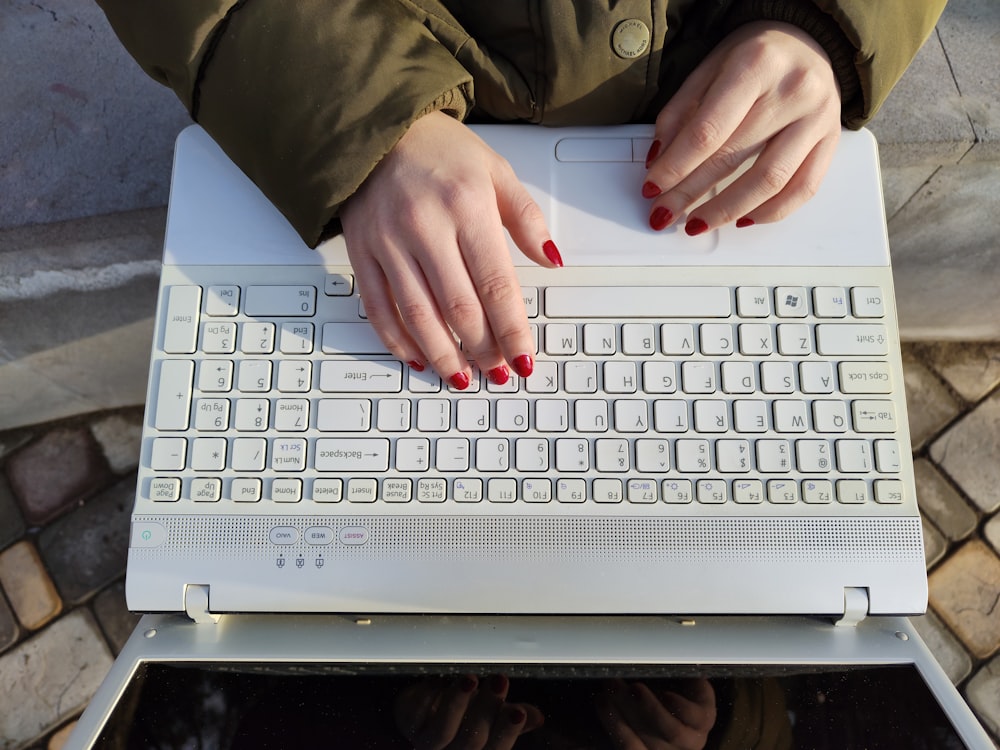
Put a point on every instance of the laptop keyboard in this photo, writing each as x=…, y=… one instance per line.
x=278, y=395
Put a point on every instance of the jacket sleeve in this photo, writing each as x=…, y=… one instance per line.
x=306, y=97
x=870, y=42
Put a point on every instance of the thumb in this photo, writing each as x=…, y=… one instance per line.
x=524, y=219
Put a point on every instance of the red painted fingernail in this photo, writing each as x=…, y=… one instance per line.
x=650, y=190
x=654, y=151
x=746, y=221
x=459, y=380
x=468, y=684
x=660, y=218
x=552, y=252
x=517, y=716
x=695, y=226
x=416, y=365
x=498, y=684
x=523, y=365
x=499, y=375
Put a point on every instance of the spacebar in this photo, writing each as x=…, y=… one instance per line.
x=638, y=302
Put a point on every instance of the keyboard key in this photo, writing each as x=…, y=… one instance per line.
x=676, y=491
x=848, y=339
x=816, y=377
x=280, y=301
x=716, y=339
x=608, y=491
x=670, y=415
x=600, y=339
x=351, y=338
x=357, y=376
x=888, y=491
x=222, y=301
x=852, y=491
x=756, y=339
x=753, y=301
x=873, y=416
x=830, y=302
x=693, y=456
x=638, y=339
x=168, y=454
x=748, y=491
x=245, y=490
x=205, y=490
x=165, y=489
x=572, y=455
x=536, y=490
x=180, y=334
x=208, y=454
x=296, y=338
x=218, y=338
x=338, y=285
x=215, y=376
x=867, y=302
x=501, y=490
x=249, y=454
x=817, y=491
x=362, y=490
x=571, y=490
x=288, y=454
x=794, y=339
x=352, y=454
x=468, y=490
x=560, y=339
x=294, y=376
x=698, y=377
x=782, y=491
x=257, y=338
x=173, y=395
x=638, y=302
x=286, y=490
x=790, y=302
x=711, y=491
x=677, y=338
x=865, y=377
x=344, y=415
x=327, y=490
x=641, y=491
x=887, y=456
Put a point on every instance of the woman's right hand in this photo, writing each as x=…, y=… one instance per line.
x=463, y=713
x=425, y=237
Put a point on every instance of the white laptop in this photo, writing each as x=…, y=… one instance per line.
x=715, y=425
x=745, y=483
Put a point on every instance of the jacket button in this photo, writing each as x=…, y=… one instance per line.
x=630, y=38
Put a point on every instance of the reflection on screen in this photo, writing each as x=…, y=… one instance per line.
x=241, y=707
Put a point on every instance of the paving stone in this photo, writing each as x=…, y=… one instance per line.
x=58, y=740
x=86, y=549
x=935, y=545
x=965, y=592
x=28, y=586
x=983, y=694
x=11, y=521
x=948, y=652
x=49, y=475
x=115, y=619
x=971, y=368
x=119, y=436
x=992, y=532
x=53, y=675
x=929, y=404
x=8, y=626
x=969, y=452
x=942, y=504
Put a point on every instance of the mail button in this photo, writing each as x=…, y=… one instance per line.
x=284, y=535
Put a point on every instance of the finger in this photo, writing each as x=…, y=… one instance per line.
x=443, y=724
x=775, y=172
x=801, y=187
x=414, y=704
x=615, y=725
x=523, y=218
x=710, y=122
x=484, y=710
x=418, y=310
x=506, y=335
x=380, y=308
x=695, y=707
x=511, y=722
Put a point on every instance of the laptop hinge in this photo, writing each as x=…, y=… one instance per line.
x=855, y=607
x=196, y=604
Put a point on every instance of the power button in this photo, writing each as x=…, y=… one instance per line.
x=147, y=534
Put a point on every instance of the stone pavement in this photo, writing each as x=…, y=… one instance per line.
x=66, y=490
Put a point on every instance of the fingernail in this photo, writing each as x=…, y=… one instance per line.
x=660, y=218
x=523, y=365
x=498, y=684
x=650, y=190
x=499, y=375
x=468, y=684
x=746, y=221
x=654, y=151
x=552, y=252
x=517, y=715
x=695, y=226
x=416, y=365
x=459, y=380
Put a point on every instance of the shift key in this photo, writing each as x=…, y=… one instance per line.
x=847, y=340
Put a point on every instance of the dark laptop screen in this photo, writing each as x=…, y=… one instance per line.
x=380, y=706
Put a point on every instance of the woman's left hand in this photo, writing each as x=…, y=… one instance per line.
x=767, y=90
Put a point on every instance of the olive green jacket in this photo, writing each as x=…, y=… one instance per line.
x=307, y=96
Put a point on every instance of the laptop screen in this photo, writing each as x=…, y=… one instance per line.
x=397, y=706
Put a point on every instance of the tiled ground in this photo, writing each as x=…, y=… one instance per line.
x=65, y=497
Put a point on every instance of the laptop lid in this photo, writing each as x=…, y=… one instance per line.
x=367, y=682
x=819, y=554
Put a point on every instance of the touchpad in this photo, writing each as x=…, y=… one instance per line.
x=599, y=217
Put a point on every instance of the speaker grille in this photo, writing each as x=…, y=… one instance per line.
x=241, y=537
